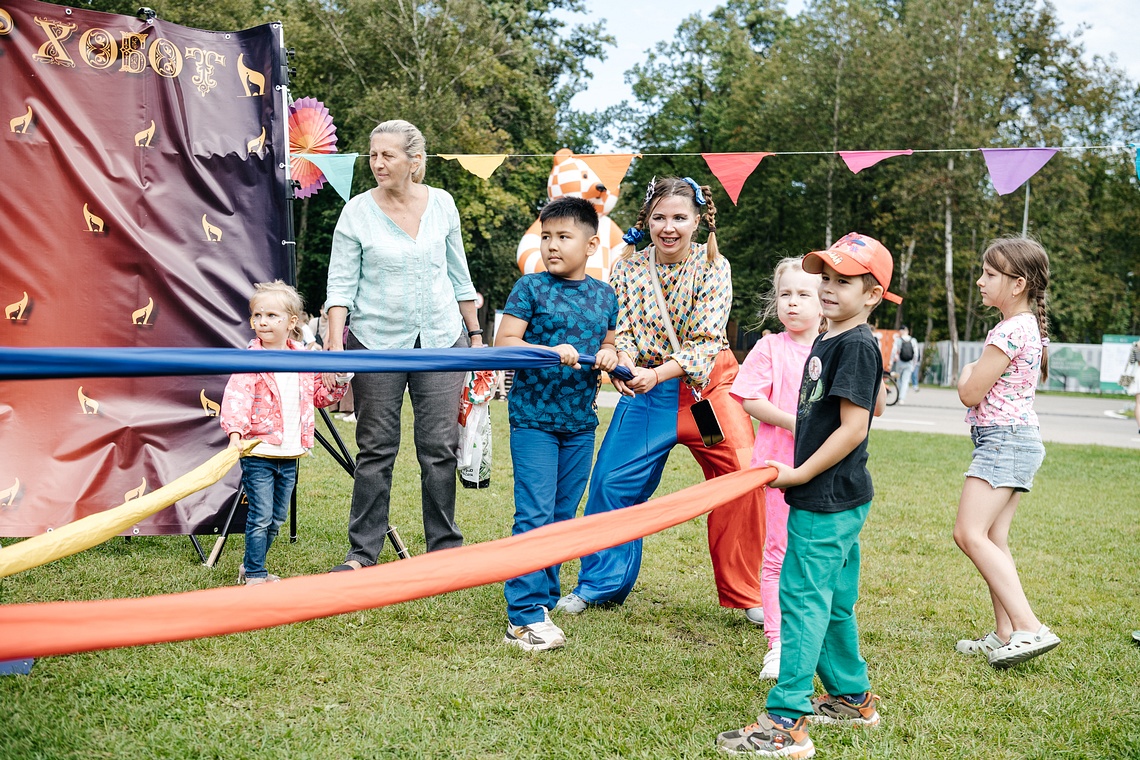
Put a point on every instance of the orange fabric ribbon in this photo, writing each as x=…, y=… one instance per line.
x=54, y=628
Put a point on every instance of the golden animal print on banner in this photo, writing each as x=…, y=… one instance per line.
x=15, y=311
x=211, y=408
x=20, y=124
x=142, y=139
x=94, y=223
x=87, y=405
x=213, y=234
x=135, y=493
x=253, y=81
x=8, y=495
x=256, y=145
x=141, y=317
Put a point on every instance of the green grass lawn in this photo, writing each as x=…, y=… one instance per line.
x=658, y=677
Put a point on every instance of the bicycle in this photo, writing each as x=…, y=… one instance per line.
x=892, y=387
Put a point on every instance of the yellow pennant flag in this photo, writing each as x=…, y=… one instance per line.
x=482, y=166
x=610, y=167
x=97, y=528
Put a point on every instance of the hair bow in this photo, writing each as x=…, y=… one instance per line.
x=633, y=235
x=696, y=189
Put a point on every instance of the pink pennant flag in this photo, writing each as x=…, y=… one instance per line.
x=1011, y=167
x=733, y=169
x=858, y=160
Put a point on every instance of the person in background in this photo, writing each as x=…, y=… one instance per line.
x=904, y=358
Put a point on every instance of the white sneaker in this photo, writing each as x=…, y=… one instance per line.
x=771, y=669
x=1022, y=646
x=350, y=417
x=571, y=604
x=755, y=615
x=984, y=645
x=536, y=637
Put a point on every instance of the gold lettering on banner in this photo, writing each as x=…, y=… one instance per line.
x=213, y=234
x=251, y=80
x=131, y=45
x=211, y=408
x=98, y=48
x=20, y=124
x=135, y=493
x=204, y=62
x=256, y=145
x=94, y=223
x=142, y=139
x=52, y=51
x=141, y=317
x=8, y=495
x=165, y=58
x=15, y=311
x=87, y=405
x=5, y=22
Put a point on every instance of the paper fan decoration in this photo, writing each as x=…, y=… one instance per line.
x=311, y=130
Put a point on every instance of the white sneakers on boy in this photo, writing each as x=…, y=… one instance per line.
x=536, y=637
x=771, y=669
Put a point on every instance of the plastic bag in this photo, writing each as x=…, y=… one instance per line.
x=474, y=461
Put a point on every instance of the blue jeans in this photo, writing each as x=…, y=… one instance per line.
x=268, y=486
x=551, y=470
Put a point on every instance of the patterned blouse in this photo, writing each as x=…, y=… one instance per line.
x=699, y=296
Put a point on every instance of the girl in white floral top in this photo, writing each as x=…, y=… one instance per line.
x=999, y=389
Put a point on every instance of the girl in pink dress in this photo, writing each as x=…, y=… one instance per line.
x=768, y=386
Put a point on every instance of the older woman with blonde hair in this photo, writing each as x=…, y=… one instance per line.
x=399, y=268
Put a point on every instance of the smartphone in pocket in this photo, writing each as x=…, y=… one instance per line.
x=707, y=423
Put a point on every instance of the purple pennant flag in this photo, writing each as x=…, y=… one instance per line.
x=1010, y=167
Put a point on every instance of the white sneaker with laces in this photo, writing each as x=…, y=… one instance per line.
x=771, y=669
x=536, y=637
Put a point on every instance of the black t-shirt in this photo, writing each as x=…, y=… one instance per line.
x=847, y=366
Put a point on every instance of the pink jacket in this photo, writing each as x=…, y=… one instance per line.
x=252, y=405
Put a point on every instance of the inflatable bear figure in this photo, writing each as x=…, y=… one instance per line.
x=571, y=176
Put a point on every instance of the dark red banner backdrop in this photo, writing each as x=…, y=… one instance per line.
x=144, y=192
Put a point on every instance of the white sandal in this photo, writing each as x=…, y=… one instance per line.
x=984, y=645
x=1022, y=646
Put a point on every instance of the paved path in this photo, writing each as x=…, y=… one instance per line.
x=1065, y=419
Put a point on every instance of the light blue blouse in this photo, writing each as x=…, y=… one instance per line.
x=395, y=287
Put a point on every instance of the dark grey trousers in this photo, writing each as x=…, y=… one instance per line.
x=435, y=405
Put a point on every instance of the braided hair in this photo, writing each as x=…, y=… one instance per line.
x=664, y=187
x=1024, y=257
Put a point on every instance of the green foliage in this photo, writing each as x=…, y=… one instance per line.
x=656, y=678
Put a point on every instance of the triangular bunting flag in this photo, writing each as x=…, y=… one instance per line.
x=337, y=168
x=1133, y=145
x=858, y=160
x=1010, y=167
x=610, y=167
x=482, y=166
x=732, y=169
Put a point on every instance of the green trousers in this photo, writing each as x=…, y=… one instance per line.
x=819, y=585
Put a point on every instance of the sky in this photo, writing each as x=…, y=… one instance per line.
x=639, y=24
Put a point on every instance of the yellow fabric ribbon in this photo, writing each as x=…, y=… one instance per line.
x=97, y=528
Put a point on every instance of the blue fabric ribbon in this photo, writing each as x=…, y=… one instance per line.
x=44, y=363
x=696, y=189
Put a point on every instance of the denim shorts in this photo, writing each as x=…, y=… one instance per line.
x=1006, y=456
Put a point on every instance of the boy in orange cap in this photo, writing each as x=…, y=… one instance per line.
x=829, y=494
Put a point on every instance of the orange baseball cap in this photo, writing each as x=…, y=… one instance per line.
x=855, y=254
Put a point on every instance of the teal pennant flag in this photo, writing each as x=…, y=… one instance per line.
x=1133, y=146
x=337, y=168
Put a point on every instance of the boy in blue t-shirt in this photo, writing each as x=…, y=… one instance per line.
x=553, y=411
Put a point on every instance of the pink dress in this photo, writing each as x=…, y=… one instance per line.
x=773, y=370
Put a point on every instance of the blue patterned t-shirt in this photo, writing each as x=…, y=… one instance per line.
x=556, y=310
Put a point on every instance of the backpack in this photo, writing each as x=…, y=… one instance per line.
x=906, y=351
